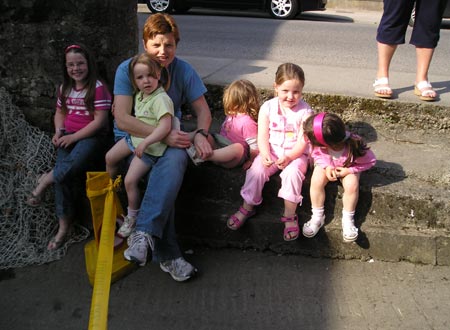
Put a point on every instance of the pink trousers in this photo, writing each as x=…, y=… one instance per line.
x=291, y=180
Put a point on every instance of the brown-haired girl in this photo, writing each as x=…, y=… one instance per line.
x=337, y=155
x=282, y=147
x=81, y=126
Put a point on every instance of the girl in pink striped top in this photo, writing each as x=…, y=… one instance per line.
x=81, y=127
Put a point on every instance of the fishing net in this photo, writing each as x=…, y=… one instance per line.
x=26, y=153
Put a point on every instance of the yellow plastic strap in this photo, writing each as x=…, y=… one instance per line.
x=98, y=319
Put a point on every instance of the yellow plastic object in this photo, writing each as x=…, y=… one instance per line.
x=120, y=266
x=104, y=263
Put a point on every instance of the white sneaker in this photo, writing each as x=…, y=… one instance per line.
x=138, y=243
x=192, y=152
x=179, y=269
x=127, y=226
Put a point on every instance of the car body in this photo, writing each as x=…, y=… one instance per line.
x=281, y=9
x=446, y=14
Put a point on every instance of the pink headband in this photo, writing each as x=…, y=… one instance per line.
x=71, y=47
x=317, y=127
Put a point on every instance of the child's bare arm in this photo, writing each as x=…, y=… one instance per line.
x=159, y=133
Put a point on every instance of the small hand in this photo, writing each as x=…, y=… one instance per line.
x=66, y=140
x=282, y=162
x=267, y=160
x=330, y=172
x=140, y=149
x=342, y=172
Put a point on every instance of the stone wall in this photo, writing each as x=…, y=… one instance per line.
x=33, y=34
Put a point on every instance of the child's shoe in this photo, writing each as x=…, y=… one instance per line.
x=311, y=228
x=127, y=227
x=192, y=152
x=349, y=231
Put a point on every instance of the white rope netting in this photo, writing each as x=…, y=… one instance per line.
x=26, y=153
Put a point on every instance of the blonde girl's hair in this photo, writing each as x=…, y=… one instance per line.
x=241, y=96
x=335, y=135
x=153, y=65
x=91, y=78
x=160, y=24
x=289, y=71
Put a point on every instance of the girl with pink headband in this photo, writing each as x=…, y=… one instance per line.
x=337, y=155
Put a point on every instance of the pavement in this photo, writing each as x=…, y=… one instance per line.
x=235, y=288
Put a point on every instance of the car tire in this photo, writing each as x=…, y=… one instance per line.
x=160, y=6
x=283, y=9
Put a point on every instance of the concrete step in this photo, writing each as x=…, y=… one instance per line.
x=404, y=206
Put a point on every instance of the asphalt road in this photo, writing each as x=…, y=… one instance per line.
x=336, y=49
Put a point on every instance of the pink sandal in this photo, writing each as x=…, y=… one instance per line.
x=234, y=223
x=290, y=230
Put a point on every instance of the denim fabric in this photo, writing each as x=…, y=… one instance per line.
x=148, y=160
x=157, y=213
x=118, y=133
x=70, y=163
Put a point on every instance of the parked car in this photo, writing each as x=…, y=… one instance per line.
x=281, y=9
x=445, y=15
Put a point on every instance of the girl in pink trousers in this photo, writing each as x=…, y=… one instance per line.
x=337, y=155
x=282, y=147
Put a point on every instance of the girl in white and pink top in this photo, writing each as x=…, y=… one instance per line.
x=282, y=147
x=337, y=155
x=236, y=144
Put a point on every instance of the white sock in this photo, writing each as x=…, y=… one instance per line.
x=317, y=213
x=132, y=213
x=348, y=215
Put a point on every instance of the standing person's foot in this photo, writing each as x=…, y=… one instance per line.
x=138, y=244
x=425, y=91
x=381, y=88
x=178, y=268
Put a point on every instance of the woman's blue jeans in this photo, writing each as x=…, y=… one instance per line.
x=157, y=213
x=71, y=163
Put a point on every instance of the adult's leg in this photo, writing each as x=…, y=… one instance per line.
x=390, y=33
x=156, y=216
x=425, y=36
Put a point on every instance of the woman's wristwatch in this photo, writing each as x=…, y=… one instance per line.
x=202, y=131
